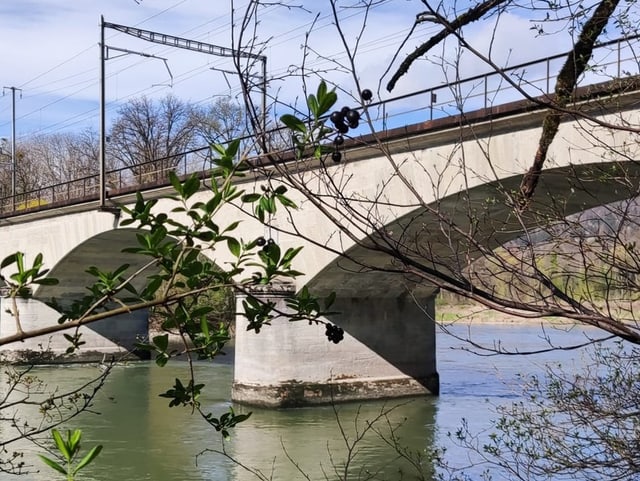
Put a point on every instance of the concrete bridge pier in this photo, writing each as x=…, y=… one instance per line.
x=112, y=336
x=388, y=351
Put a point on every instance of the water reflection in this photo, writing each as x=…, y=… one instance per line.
x=323, y=439
x=145, y=439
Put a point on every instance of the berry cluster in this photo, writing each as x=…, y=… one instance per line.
x=264, y=243
x=345, y=119
x=334, y=333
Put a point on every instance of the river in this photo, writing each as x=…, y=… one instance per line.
x=144, y=439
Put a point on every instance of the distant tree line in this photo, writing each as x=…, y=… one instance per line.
x=147, y=136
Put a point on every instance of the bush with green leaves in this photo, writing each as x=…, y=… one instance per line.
x=68, y=449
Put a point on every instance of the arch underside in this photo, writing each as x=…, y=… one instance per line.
x=440, y=234
x=104, y=251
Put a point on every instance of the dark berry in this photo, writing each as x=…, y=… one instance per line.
x=344, y=110
x=336, y=156
x=354, y=124
x=334, y=333
x=337, y=118
x=352, y=116
x=342, y=128
x=269, y=243
x=366, y=95
x=260, y=241
x=339, y=140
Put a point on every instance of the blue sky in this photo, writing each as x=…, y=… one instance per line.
x=50, y=51
x=54, y=57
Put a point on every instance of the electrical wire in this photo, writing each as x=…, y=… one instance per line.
x=281, y=38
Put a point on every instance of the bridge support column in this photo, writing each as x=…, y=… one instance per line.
x=388, y=351
x=112, y=336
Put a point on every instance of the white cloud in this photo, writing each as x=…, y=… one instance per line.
x=51, y=52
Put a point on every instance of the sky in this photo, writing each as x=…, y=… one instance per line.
x=51, y=54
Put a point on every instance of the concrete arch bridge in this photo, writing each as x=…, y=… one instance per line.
x=455, y=168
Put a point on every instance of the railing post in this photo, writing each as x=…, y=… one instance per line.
x=619, y=58
x=486, y=88
x=433, y=99
x=384, y=116
x=548, y=75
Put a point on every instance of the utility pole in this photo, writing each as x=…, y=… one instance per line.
x=13, y=143
x=102, y=146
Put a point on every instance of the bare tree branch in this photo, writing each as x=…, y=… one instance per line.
x=469, y=16
x=575, y=65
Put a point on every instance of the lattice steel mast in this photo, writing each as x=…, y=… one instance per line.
x=170, y=40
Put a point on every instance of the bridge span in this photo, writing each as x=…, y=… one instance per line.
x=459, y=164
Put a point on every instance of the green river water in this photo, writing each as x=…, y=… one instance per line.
x=144, y=439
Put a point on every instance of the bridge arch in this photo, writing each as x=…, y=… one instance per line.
x=562, y=192
x=104, y=250
x=475, y=164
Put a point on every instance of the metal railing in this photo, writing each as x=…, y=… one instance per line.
x=611, y=60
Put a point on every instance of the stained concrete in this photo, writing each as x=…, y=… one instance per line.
x=109, y=337
x=388, y=351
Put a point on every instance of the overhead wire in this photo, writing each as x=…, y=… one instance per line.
x=73, y=57
x=279, y=39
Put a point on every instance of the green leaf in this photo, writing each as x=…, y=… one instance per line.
x=322, y=89
x=175, y=182
x=248, y=198
x=20, y=262
x=61, y=445
x=206, y=236
x=191, y=186
x=204, y=327
x=286, y=202
x=329, y=300
x=119, y=271
x=201, y=311
x=213, y=203
x=52, y=464
x=326, y=102
x=232, y=148
x=47, y=281
x=290, y=254
x=91, y=455
x=293, y=122
x=241, y=418
x=162, y=359
x=234, y=246
x=161, y=342
x=10, y=259
x=312, y=103
x=37, y=262
x=74, y=439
